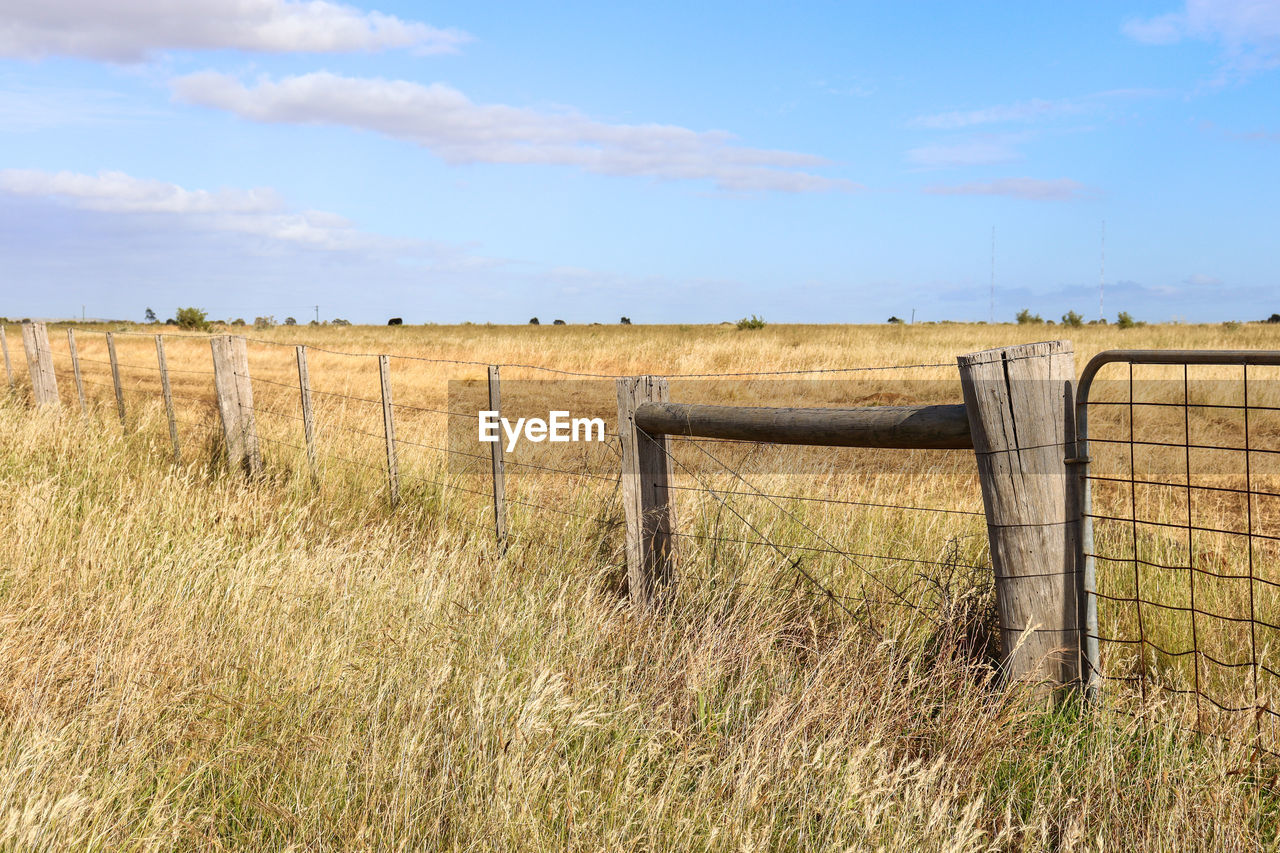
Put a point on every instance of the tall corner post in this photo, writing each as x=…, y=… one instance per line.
x=1020, y=401
x=646, y=475
x=235, y=403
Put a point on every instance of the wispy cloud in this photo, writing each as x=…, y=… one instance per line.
x=1035, y=189
x=1029, y=111
x=133, y=30
x=26, y=108
x=1265, y=136
x=1023, y=111
x=1247, y=30
x=452, y=126
x=260, y=212
x=980, y=150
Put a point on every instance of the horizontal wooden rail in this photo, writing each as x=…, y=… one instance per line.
x=930, y=427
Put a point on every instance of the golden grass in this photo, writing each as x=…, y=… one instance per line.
x=192, y=662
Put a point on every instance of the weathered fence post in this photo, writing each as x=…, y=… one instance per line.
x=389, y=428
x=8, y=365
x=75, y=369
x=44, y=382
x=168, y=399
x=235, y=402
x=646, y=472
x=115, y=379
x=1021, y=407
x=308, y=419
x=499, y=474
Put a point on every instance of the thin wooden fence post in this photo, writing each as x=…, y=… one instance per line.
x=8, y=365
x=115, y=379
x=235, y=403
x=75, y=369
x=1021, y=406
x=389, y=428
x=44, y=382
x=308, y=418
x=646, y=473
x=168, y=399
x=499, y=474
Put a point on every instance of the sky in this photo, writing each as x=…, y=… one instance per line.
x=674, y=163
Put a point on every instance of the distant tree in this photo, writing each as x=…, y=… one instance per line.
x=1071, y=318
x=626, y=321
x=239, y=321
x=557, y=322
x=150, y=316
x=338, y=321
x=264, y=322
x=533, y=321
x=192, y=318
x=1274, y=318
x=749, y=323
x=289, y=321
x=395, y=321
x=314, y=323
x=1125, y=320
x=895, y=320
x=1026, y=318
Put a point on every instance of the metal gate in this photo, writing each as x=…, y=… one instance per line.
x=1179, y=454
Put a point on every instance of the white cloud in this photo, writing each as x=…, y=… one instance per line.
x=1202, y=280
x=1248, y=30
x=1036, y=189
x=258, y=212
x=448, y=123
x=132, y=30
x=983, y=150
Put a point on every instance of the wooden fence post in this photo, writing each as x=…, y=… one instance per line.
x=115, y=379
x=44, y=382
x=308, y=418
x=389, y=428
x=499, y=474
x=8, y=365
x=168, y=399
x=235, y=403
x=646, y=472
x=75, y=369
x=1021, y=406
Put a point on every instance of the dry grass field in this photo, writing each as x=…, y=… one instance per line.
x=190, y=661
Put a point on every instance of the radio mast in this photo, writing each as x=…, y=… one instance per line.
x=991, y=306
x=1102, y=270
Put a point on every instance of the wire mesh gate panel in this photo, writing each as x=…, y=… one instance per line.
x=1180, y=460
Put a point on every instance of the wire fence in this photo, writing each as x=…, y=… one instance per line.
x=835, y=541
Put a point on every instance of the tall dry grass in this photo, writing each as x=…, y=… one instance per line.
x=194, y=662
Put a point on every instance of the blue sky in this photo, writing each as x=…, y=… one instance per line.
x=815, y=162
